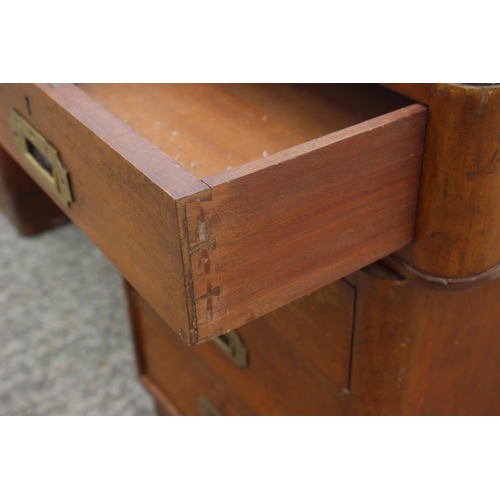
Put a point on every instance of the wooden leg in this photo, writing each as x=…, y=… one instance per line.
x=29, y=209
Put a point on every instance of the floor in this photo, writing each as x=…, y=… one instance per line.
x=65, y=345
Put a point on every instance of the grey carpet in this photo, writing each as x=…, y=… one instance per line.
x=65, y=345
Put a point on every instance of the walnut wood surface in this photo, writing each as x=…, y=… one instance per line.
x=289, y=370
x=425, y=352
x=458, y=222
x=207, y=128
x=125, y=190
x=29, y=209
x=284, y=226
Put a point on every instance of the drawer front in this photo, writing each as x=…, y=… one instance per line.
x=169, y=370
x=214, y=254
x=122, y=188
x=296, y=359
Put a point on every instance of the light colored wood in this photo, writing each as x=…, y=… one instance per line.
x=284, y=226
x=207, y=128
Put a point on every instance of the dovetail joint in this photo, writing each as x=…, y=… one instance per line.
x=202, y=246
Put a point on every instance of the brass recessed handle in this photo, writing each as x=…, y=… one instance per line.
x=207, y=409
x=232, y=346
x=41, y=159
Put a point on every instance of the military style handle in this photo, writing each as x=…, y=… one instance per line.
x=232, y=346
x=41, y=159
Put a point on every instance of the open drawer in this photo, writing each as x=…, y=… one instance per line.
x=221, y=203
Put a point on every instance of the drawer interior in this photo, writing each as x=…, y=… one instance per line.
x=220, y=203
x=210, y=128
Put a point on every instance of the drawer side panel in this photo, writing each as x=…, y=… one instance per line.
x=284, y=226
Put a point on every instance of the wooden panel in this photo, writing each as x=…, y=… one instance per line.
x=170, y=371
x=279, y=379
x=284, y=226
x=289, y=370
x=208, y=128
x=319, y=326
x=125, y=189
x=24, y=203
x=299, y=356
x=425, y=352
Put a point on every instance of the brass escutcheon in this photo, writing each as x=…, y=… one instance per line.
x=232, y=346
x=206, y=407
x=41, y=159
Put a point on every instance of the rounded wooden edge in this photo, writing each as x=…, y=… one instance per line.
x=438, y=282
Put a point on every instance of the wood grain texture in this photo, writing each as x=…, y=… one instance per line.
x=299, y=356
x=212, y=255
x=126, y=190
x=289, y=370
x=29, y=209
x=419, y=92
x=458, y=222
x=425, y=352
x=319, y=326
x=169, y=369
x=208, y=128
x=284, y=226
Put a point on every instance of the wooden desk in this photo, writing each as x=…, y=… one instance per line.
x=333, y=183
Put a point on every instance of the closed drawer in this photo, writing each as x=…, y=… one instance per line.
x=221, y=203
x=295, y=361
x=171, y=370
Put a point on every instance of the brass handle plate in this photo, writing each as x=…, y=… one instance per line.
x=41, y=158
x=207, y=409
x=232, y=346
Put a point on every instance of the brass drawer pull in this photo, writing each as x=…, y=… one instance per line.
x=207, y=409
x=232, y=346
x=41, y=158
